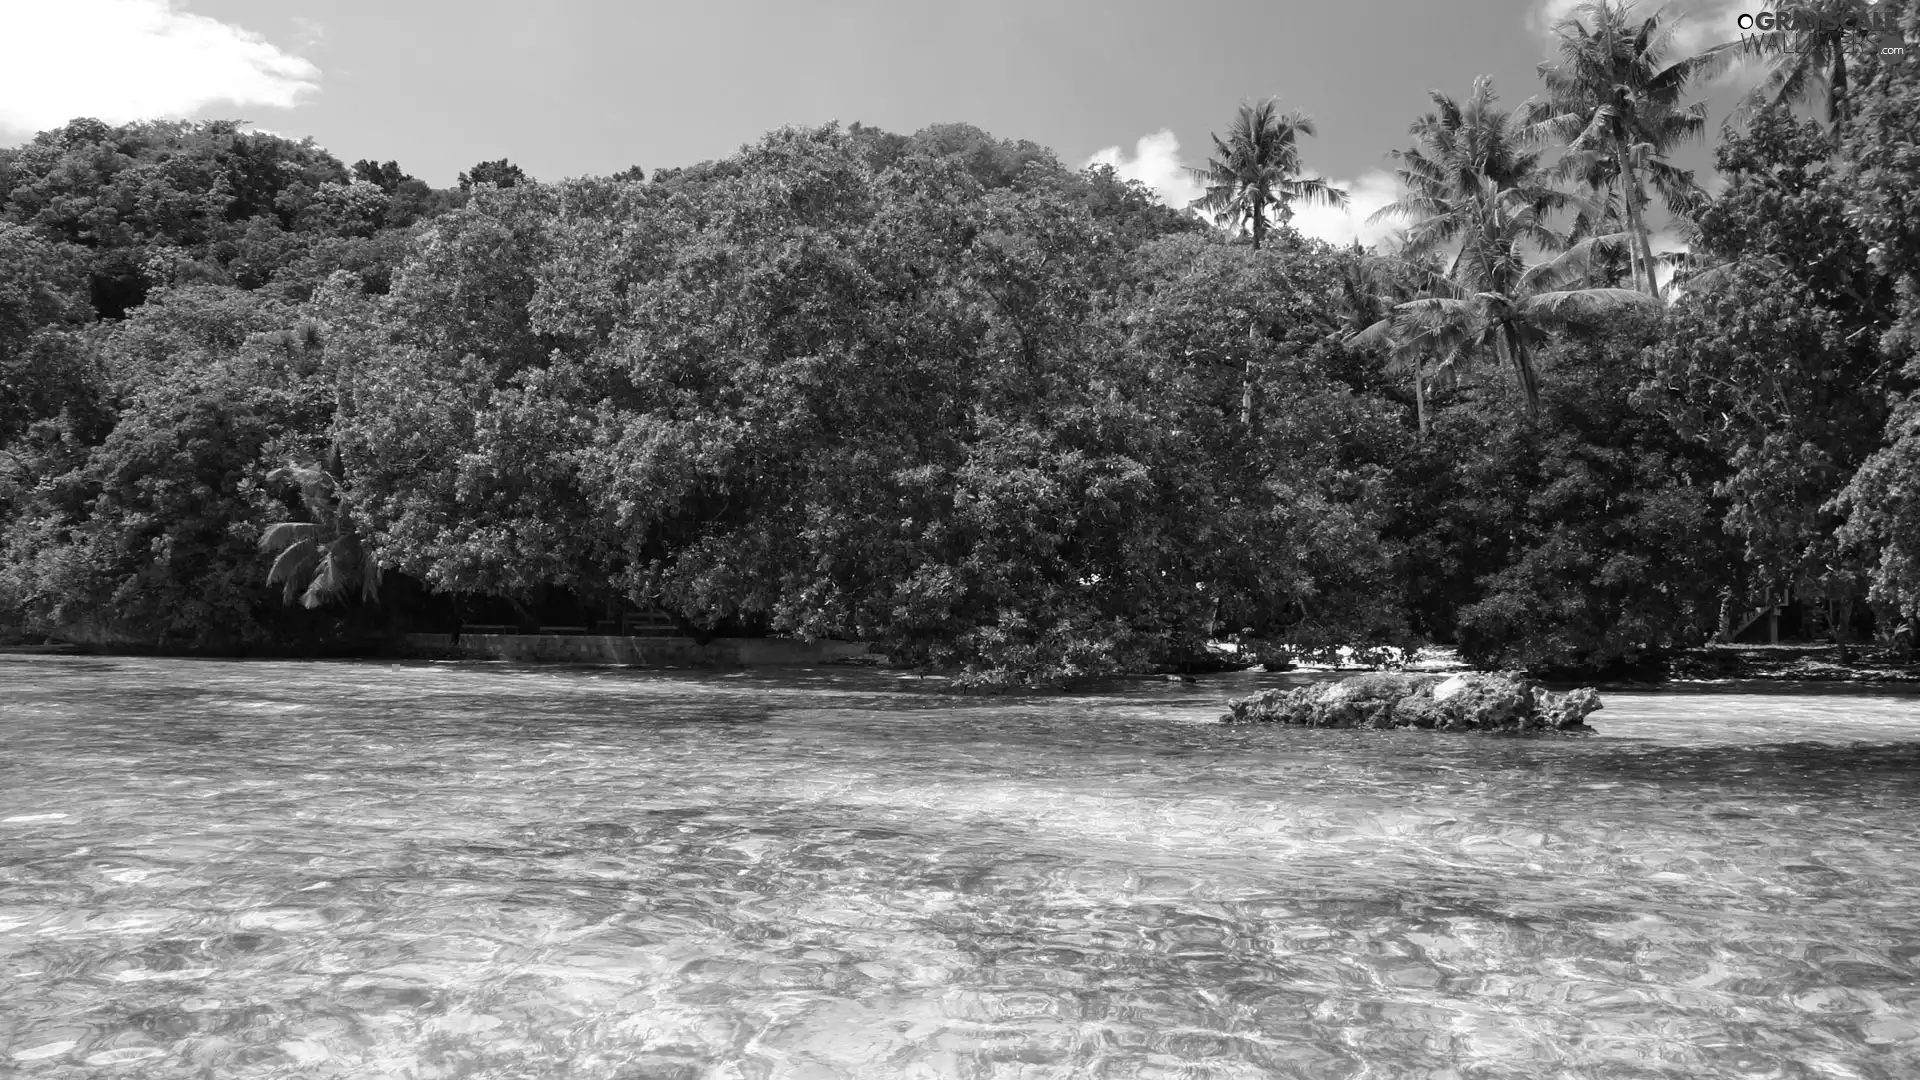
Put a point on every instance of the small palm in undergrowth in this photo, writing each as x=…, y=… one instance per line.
x=323, y=560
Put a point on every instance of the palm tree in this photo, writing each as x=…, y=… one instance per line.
x=1461, y=146
x=1497, y=303
x=1616, y=106
x=1257, y=167
x=1808, y=61
x=1475, y=185
x=1371, y=288
x=323, y=560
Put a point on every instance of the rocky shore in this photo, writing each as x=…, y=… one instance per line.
x=1505, y=701
x=1870, y=663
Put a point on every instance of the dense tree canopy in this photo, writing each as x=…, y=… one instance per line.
x=941, y=392
x=1774, y=361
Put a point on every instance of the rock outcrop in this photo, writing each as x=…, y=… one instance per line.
x=1506, y=701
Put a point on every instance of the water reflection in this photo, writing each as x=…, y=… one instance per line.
x=255, y=870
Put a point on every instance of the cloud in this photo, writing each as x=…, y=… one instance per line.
x=1155, y=163
x=310, y=33
x=1544, y=15
x=1374, y=189
x=123, y=60
x=1703, y=24
x=1662, y=242
x=1698, y=25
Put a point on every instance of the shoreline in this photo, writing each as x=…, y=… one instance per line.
x=1703, y=666
x=1815, y=662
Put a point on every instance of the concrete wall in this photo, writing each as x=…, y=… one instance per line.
x=660, y=652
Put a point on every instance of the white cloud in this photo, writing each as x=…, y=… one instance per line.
x=1374, y=189
x=1155, y=163
x=123, y=60
x=1697, y=25
x=311, y=33
x=1664, y=242
x=1544, y=15
x=1703, y=24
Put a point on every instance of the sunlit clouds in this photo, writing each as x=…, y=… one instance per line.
x=1698, y=25
x=1665, y=242
x=1374, y=189
x=123, y=60
x=1157, y=163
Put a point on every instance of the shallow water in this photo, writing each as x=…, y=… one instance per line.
x=213, y=869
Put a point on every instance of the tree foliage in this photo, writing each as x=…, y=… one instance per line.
x=937, y=391
x=1256, y=168
x=1881, y=504
x=1774, y=360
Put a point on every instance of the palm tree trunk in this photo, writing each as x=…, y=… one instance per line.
x=1246, y=378
x=1517, y=355
x=1837, y=109
x=1633, y=250
x=1840, y=617
x=1636, y=225
x=1420, y=395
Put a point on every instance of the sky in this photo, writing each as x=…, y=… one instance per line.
x=578, y=87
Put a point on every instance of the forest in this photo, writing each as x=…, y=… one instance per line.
x=1003, y=418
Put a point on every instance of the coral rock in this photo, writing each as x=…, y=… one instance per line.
x=1506, y=701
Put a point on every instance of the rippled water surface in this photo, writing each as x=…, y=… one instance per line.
x=213, y=869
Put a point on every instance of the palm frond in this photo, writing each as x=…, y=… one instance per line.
x=292, y=566
x=371, y=576
x=283, y=533
x=1436, y=312
x=328, y=582
x=1379, y=333
x=1570, y=305
x=1256, y=167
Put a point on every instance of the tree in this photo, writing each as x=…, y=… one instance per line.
x=452, y=430
x=155, y=204
x=1129, y=208
x=1882, y=185
x=501, y=173
x=1882, y=515
x=1471, y=160
x=1462, y=148
x=45, y=368
x=1600, y=217
x=387, y=176
x=1371, y=291
x=323, y=560
x=1773, y=360
x=1279, y=524
x=1885, y=189
x=1257, y=167
x=994, y=163
x=1499, y=303
x=139, y=543
x=1616, y=105
x=1591, y=540
x=805, y=391
x=1810, y=49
